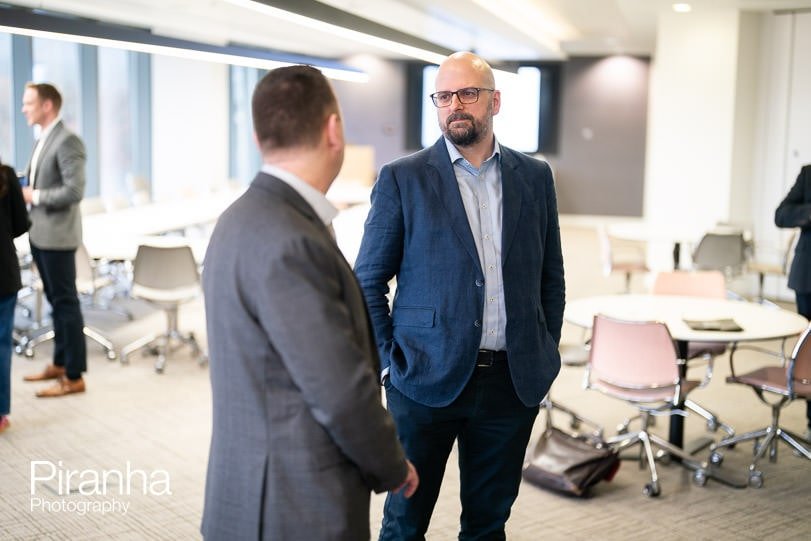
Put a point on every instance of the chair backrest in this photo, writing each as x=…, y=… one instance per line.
x=801, y=357
x=709, y=283
x=165, y=267
x=791, y=243
x=85, y=273
x=606, y=258
x=721, y=251
x=632, y=354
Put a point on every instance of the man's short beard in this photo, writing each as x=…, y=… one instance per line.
x=466, y=137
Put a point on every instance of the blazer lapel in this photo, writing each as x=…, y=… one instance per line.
x=447, y=189
x=511, y=194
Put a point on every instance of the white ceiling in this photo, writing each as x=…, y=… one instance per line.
x=496, y=29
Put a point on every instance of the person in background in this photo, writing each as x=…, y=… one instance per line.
x=56, y=182
x=795, y=211
x=470, y=348
x=13, y=223
x=300, y=437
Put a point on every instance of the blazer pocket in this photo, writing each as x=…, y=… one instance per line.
x=408, y=316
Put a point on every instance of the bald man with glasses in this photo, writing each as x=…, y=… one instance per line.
x=469, y=228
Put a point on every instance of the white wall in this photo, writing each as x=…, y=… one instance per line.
x=189, y=126
x=691, y=118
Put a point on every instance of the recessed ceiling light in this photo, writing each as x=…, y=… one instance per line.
x=682, y=8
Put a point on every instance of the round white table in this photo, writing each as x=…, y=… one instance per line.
x=758, y=322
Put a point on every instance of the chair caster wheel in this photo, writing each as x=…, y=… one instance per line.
x=575, y=424
x=756, y=479
x=700, y=478
x=651, y=490
x=111, y=356
x=716, y=458
x=29, y=353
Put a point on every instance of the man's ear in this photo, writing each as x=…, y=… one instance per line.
x=334, y=131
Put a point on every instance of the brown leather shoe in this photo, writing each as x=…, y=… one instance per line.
x=63, y=387
x=51, y=372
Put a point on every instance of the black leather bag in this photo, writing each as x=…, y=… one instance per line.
x=569, y=464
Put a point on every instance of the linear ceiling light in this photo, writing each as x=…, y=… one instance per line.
x=342, y=32
x=191, y=54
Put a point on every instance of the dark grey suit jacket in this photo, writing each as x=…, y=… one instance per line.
x=56, y=222
x=300, y=437
x=795, y=211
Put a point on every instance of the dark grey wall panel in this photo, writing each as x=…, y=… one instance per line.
x=600, y=164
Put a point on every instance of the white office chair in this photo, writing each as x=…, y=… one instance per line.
x=165, y=276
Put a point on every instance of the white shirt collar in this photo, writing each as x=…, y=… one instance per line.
x=325, y=210
x=456, y=155
x=46, y=131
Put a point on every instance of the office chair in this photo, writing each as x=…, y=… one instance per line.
x=722, y=251
x=785, y=381
x=166, y=277
x=627, y=258
x=90, y=281
x=710, y=284
x=762, y=266
x=27, y=342
x=636, y=362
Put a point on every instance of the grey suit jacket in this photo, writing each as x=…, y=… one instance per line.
x=300, y=437
x=56, y=222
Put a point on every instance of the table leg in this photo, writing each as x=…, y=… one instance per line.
x=676, y=254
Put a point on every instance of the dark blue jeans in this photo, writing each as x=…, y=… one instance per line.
x=57, y=269
x=804, y=309
x=492, y=427
x=7, y=304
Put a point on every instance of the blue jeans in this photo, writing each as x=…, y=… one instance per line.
x=804, y=309
x=492, y=427
x=7, y=304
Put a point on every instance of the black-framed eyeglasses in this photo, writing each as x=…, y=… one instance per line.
x=465, y=95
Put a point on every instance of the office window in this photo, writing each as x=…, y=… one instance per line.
x=57, y=62
x=116, y=178
x=244, y=156
x=6, y=102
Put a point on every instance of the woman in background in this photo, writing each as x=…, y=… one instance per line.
x=13, y=223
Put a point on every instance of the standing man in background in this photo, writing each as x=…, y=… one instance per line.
x=795, y=211
x=300, y=436
x=56, y=181
x=470, y=230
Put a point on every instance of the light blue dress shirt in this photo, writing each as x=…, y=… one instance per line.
x=482, y=198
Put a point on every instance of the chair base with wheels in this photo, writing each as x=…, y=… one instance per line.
x=25, y=344
x=786, y=382
x=162, y=344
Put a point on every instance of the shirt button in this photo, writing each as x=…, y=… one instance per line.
x=487, y=237
x=477, y=323
x=491, y=267
x=492, y=299
x=479, y=283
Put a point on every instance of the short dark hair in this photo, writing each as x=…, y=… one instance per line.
x=47, y=91
x=290, y=106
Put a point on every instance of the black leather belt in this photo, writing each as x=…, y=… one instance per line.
x=487, y=358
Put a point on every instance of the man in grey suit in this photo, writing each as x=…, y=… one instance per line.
x=56, y=181
x=300, y=437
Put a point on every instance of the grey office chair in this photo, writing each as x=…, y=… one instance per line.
x=725, y=252
x=165, y=276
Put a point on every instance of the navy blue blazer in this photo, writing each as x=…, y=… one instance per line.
x=795, y=211
x=418, y=232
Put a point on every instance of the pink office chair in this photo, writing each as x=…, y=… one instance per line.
x=787, y=381
x=710, y=284
x=637, y=362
